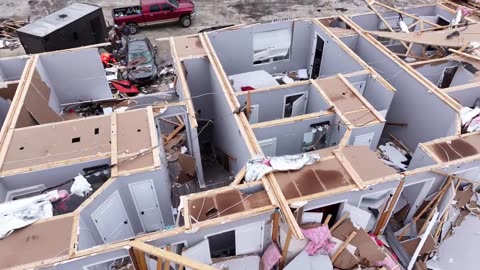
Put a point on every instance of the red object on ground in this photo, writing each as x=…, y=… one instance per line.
x=107, y=59
x=125, y=87
x=247, y=88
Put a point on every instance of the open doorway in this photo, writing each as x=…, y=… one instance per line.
x=332, y=209
x=317, y=60
x=295, y=105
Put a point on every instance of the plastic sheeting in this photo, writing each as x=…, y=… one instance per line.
x=21, y=213
x=80, y=186
x=258, y=167
x=470, y=119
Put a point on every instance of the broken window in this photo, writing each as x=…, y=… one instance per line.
x=271, y=46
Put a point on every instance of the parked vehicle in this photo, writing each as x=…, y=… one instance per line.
x=151, y=12
x=141, y=61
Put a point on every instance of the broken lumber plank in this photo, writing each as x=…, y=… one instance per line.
x=239, y=177
x=285, y=248
x=169, y=121
x=327, y=219
x=343, y=246
x=174, y=133
x=340, y=221
x=391, y=205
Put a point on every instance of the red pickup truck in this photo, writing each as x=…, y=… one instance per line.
x=150, y=12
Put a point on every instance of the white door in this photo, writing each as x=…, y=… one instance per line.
x=365, y=139
x=295, y=105
x=254, y=114
x=299, y=106
x=249, y=238
x=146, y=203
x=360, y=86
x=269, y=147
x=111, y=220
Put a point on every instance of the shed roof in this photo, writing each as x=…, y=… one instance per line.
x=58, y=19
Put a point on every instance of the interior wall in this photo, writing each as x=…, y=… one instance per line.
x=420, y=159
x=194, y=238
x=466, y=96
x=227, y=136
x=350, y=41
x=197, y=75
x=162, y=188
x=290, y=135
x=413, y=104
x=434, y=71
x=53, y=101
x=11, y=69
x=439, y=10
x=271, y=103
x=49, y=177
x=352, y=197
x=334, y=60
x=81, y=81
x=89, y=260
x=375, y=92
x=4, y=107
x=234, y=48
x=3, y=191
x=376, y=129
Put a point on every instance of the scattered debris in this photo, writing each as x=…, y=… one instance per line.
x=258, y=167
x=470, y=119
x=80, y=186
x=8, y=36
x=394, y=156
x=23, y=212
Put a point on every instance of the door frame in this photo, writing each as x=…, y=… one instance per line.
x=115, y=193
x=291, y=95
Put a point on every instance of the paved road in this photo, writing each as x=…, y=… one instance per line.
x=210, y=12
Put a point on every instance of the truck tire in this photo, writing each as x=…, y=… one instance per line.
x=133, y=28
x=186, y=21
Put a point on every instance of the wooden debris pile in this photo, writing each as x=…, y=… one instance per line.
x=8, y=35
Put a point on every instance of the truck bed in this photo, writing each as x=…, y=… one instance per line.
x=127, y=11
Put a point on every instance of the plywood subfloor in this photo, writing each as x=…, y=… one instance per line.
x=189, y=46
x=458, y=148
x=319, y=177
x=226, y=203
x=365, y=163
x=346, y=101
x=37, y=242
x=57, y=142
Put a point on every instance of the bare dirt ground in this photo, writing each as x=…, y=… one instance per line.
x=209, y=12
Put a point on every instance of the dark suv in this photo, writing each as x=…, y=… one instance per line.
x=141, y=61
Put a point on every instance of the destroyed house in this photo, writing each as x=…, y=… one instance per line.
x=282, y=145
